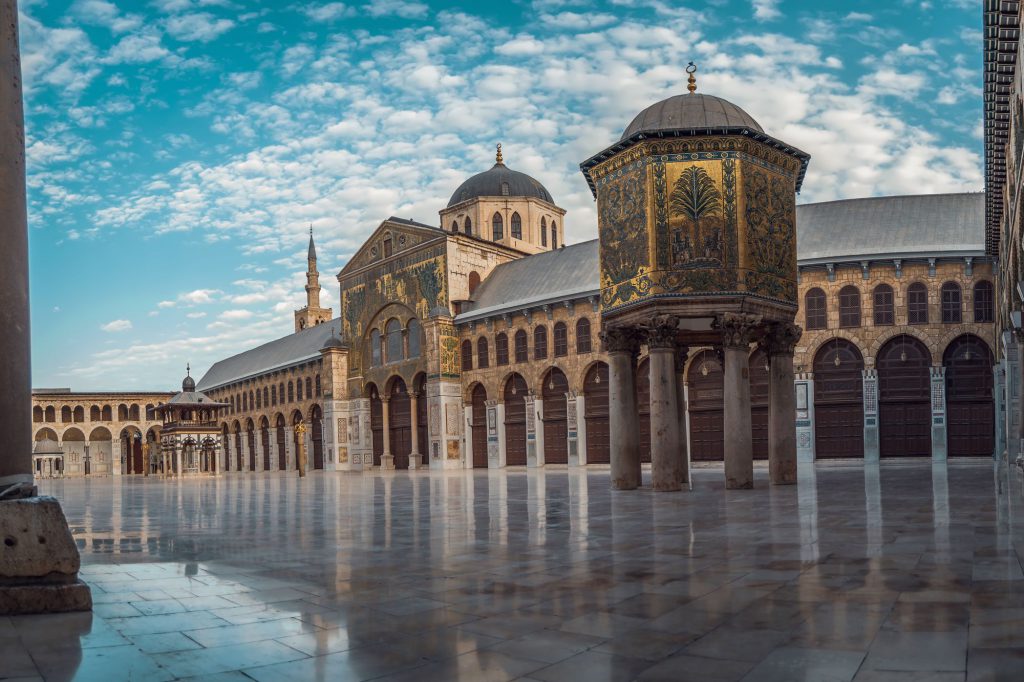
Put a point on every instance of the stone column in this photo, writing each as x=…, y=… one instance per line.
x=738, y=331
x=415, y=457
x=682, y=353
x=387, y=460
x=666, y=469
x=779, y=345
x=622, y=346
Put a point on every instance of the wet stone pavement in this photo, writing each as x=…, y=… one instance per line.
x=900, y=572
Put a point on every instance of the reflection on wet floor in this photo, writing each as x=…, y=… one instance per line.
x=899, y=571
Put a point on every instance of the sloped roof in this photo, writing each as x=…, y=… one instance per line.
x=284, y=352
x=900, y=226
x=550, y=276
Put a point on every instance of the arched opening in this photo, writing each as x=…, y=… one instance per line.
x=419, y=384
x=265, y=442
x=970, y=411
x=474, y=281
x=554, y=235
x=394, y=341
x=131, y=452
x=983, y=302
x=838, y=400
x=483, y=360
x=225, y=436
x=556, y=434
x=849, y=306
x=153, y=442
x=297, y=443
x=79, y=414
x=237, y=429
x=517, y=226
x=50, y=414
x=94, y=413
x=376, y=423
x=596, y=416
x=583, y=343
x=884, y=306
x=467, y=355
x=479, y=426
x=65, y=415
x=122, y=413
x=540, y=343
x=76, y=458
x=904, y=407
x=707, y=430
x=543, y=231
x=133, y=413
x=561, y=340
x=316, y=430
x=643, y=407
x=413, y=335
x=497, y=227
x=501, y=349
x=917, y=304
x=468, y=227
x=522, y=353
x=759, y=381
x=374, y=352
x=101, y=451
x=37, y=415
x=400, y=423
x=814, y=309
x=952, y=303
x=250, y=437
x=515, y=420
x=282, y=451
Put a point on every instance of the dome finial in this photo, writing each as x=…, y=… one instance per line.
x=691, y=84
x=498, y=158
x=188, y=369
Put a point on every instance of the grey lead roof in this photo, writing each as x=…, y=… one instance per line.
x=288, y=350
x=550, y=276
x=690, y=111
x=490, y=182
x=920, y=224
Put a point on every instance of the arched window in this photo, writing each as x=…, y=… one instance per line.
x=455, y=226
x=497, y=228
x=849, y=306
x=951, y=303
x=501, y=349
x=561, y=340
x=375, y=348
x=37, y=414
x=483, y=360
x=259, y=399
x=94, y=413
x=983, y=302
x=543, y=231
x=394, y=340
x=814, y=309
x=517, y=226
x=280, y=391
x=467, y=355
x=316, y=383
x=298, y=389
x=291, y=392
x=309, y=388
x=245, y=401
x=474, y=281
x=266, y=395
x=554, y=235
x=917, y=304
x=540, y=342
x=468, y=227
x=273, y=395
x=583, y=344
x=522, y=354
x=884, y=307
x=413, y=333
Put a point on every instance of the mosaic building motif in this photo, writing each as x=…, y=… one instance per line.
x=622, y=214
x=771, y=235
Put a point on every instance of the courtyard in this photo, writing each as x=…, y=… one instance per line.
x=902, y=571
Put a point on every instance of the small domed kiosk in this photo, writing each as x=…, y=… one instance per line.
x=697, y=221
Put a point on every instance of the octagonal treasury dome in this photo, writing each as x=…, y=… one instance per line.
x=500, y=181
x=690, y=112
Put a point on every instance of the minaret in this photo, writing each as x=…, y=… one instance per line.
x=312, y=314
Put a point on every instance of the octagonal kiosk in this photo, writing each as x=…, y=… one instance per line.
x=697, y=225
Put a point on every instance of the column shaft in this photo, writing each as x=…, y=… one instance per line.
x=781, y=420
x=739, y=452
x=666, y=472
x=624, y=421
x=684, y=455
x=387, y=460
x=415, y=457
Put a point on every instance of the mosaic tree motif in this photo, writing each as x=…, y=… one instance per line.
x=696, y=199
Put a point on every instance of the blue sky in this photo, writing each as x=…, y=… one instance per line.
x=178, y=150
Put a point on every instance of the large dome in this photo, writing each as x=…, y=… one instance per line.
x=690, y=112
x=499, y=181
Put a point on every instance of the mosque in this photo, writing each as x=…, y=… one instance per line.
x=483, y=340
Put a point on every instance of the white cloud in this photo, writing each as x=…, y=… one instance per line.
x=766, y=10
x=103, y=13
x=331, y=11
x=117, y=326
x=201, y=26
x=397, y=8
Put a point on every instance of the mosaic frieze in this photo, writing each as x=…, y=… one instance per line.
x=622, y=220
x=770, y=215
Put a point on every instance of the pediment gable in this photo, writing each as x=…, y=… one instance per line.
x=405, y=235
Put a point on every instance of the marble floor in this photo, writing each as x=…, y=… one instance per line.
x=900, y=572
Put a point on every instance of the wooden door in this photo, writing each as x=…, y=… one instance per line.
x=281, y=455
x=421, y=425
x=251, y=436
x=643, y=408
x=838, y=400
x=904, y=398
x=515, y=420
x=377, y=427
x=556, y=434
x=759, y=379
x=317, y=437
x=970, y=410
x=705, y=380
x=595, y=412
x=400, y=424
x=265, y=445
x=479, y=427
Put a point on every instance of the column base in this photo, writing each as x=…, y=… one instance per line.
x=39, y=562
x=387, y=462
x=415, y=460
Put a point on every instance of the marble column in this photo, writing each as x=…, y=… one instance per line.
x=682, y=353
x=387, y=460
x=666, y=472
x=415, y=457
x=738, y=332
x=779, y=345
x=622, y=346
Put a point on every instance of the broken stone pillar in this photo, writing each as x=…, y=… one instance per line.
x=38, y=558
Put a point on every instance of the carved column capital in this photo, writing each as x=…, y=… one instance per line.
x=661, y=332
x=738, y=330
x=620, y=340
x=781, y=338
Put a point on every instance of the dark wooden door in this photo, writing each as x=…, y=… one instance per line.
x=838, y=400
x=904, y=398
x=421, y=426
x=265, y=445
x=758, y=366
x=251, y=436
x=515, y=420
x=377, y=427
x=238, y=450
x=136, y=444
x=643, y=408
x=970, y=410
x=556, y=434
x=281, y=459
x=595, y=409
x=705, y=379
x=400, y=424
x=317, y=437
x=479, y=427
